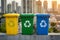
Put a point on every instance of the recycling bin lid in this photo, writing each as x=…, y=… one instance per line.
x=11, y=15
x=28, y=15
x=43, y=15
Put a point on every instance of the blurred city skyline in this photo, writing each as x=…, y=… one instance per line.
x=48, y=4
x=9, y=1
x=19, y=2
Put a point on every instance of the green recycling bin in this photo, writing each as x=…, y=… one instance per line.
x=27, y=23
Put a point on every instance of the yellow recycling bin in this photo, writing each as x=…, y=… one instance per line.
x=11, y=23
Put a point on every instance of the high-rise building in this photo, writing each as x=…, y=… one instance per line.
x=54, y=5
x=3, y=6
x=58, y=8
x=45, y=5
x=39, y=6
x=13, y=6
x=9, y=8
x=0, y=6
x=0, y=9
x=18, y=9
x=34, y=6
x=27, y=6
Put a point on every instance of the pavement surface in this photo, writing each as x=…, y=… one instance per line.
x=29, y=37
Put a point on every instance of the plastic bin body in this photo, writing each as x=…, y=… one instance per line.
x=11, y=24
x=27, y=24
x=42, y=24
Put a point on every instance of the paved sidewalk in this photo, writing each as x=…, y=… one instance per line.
x=29, y=37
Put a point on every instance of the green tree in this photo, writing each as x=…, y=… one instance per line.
x=3, y=28
x=53, y=28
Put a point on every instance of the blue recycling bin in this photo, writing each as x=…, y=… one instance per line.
x=42, y=24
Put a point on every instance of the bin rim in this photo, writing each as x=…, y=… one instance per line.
x=11, y=15
x=26, y=14
x=43, y=15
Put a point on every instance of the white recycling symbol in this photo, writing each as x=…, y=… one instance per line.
x=43, y=25
x=27, y=23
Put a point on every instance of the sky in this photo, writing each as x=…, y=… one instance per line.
x=19, y=2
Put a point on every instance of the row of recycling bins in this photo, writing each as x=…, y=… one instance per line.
x=42, y=23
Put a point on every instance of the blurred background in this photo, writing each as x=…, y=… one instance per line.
x=51, y=7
